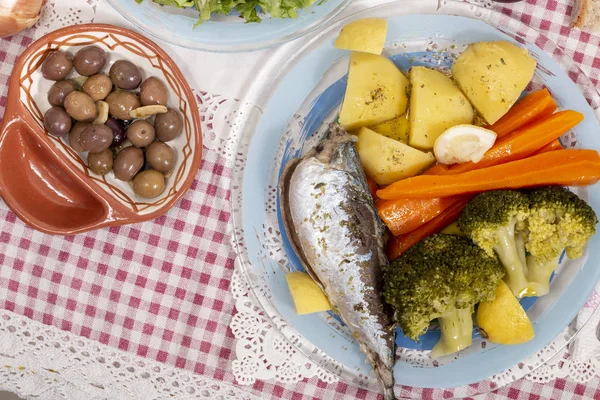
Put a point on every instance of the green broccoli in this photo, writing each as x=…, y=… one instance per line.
x=558, y=221
x=529, y=231
x=443, y=277
x=494, y=221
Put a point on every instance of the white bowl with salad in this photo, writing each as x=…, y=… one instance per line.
x=228, y=25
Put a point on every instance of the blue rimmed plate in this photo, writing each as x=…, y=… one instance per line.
x=295, y=107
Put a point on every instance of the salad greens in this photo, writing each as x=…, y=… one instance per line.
x=248, y=9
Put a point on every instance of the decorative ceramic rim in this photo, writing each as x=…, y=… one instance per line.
x=264, y=94
x=113, y=37
x=227, y=47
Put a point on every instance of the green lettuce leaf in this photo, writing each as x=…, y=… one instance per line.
x=248, y=9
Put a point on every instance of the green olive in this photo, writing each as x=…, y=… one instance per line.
x=149, y=183
x=101, y=163
x=160, y=156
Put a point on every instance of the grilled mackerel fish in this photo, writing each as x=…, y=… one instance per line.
x=331, y=220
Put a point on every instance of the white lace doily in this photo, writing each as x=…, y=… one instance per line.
x=220, y=127
x=60, y=13
x=481, y=3
x=262, y=351
x=43, y=362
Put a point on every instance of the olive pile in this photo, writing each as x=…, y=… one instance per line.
x=122, y=130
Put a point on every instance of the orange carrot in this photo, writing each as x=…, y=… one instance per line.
x=399, y=244
x=405, y=215
x=372, y=187
x=437, y=169
x=524, y=142
x=534, y=106
x=555, y=145
x=560, y=167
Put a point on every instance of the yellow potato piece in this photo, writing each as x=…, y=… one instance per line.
x=396, y=128
x=387, y=160
x=376, y=91
x=453, y=229
x=366, y=35
x=493, y=75
x=436, y=104
x=307, y=295
x=503, y=320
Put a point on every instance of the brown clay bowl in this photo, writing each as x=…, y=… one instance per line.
x=45, y=182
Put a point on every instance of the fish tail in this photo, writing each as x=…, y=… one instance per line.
x=388, y=393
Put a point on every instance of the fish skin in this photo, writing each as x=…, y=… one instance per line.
x=332, y=223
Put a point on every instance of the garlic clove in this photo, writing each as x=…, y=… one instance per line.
x=147, y=111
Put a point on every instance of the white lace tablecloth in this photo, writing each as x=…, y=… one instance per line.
x=216, y=344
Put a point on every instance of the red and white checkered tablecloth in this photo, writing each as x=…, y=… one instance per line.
x=160, y=289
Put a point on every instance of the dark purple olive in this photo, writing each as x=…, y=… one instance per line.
x=96, y=138
x=168, y=125
x=118, y=131
x=90, y=60
x=125, y=75
x=57, y=122
x=153, y=91
x=75, y=136
x=128, y=163
x=58, y=92
x=57, y=65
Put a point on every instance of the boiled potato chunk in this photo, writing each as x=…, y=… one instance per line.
x=436, y=104
x=366, y=35
x=376, y=91
x=308, y=297
x=387, y=160
x=503, y=320
x=396, y=128
x=493, y=75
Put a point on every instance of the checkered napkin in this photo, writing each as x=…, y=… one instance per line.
x=159, y=289
x=553, y=18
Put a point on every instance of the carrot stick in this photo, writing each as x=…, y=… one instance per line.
x=372, y=187
x=399, y=244
x=405, y=215
x=524, y=142
x=437, y=169
x=555, y=145
x=534, y=106
x=560, y=167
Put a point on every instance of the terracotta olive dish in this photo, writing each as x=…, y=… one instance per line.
x=47, y=178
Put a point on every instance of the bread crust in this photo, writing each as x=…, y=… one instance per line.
x=580, y=12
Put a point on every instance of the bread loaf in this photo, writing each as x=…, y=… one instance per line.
x=586, y=14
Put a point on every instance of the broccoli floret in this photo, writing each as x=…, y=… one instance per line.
x=443, y=277
x=529, y=232
x=558, y=221
x=495, y=221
